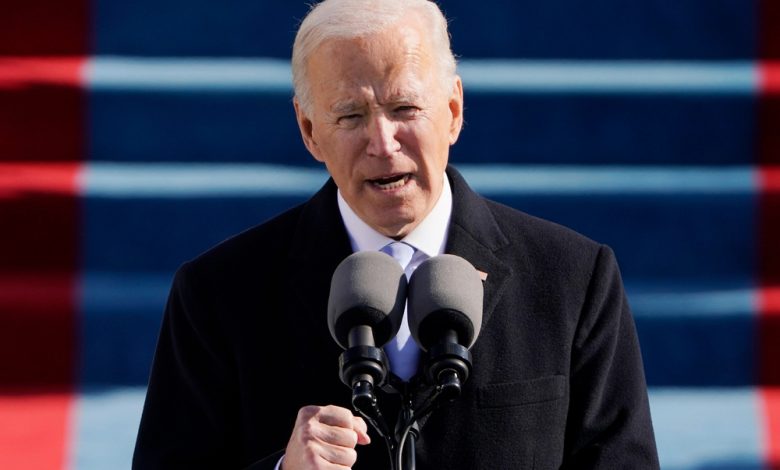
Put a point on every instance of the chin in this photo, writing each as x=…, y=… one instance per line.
x=395, y=230
x=395, y=222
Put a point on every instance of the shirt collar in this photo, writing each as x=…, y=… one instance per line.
x=430, y=236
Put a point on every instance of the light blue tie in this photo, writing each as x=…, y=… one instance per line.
x=402, y=352
x=402, y=252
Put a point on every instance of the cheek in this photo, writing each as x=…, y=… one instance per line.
x=411, y=141
x=431, y=132
x=347, y=144
x=429, y=147
x=344, y=167
x=336, y=151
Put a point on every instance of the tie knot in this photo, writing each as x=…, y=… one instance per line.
x=401, y=251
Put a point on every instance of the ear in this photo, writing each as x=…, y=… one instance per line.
x=307, y=130
x=456, y=110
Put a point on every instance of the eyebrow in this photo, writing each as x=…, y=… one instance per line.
x=349, y=106
x=405, y=97
x=345, y=107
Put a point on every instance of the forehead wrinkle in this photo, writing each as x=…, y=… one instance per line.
x=387, y=80
x=351, y=97
x=410, y=91
x=399, y=96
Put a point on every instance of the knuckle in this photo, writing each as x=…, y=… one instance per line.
x=312, y=454
x=351, y=439
x=307, y=430
x=340, y=436
x=308, y=411
x=341, y=415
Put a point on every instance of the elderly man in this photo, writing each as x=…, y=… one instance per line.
x=245, y=371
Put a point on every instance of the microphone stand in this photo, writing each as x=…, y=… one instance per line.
x=365, y=367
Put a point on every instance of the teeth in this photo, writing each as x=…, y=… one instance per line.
x=391, y=183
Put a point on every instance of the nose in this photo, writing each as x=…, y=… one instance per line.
x=382, y=133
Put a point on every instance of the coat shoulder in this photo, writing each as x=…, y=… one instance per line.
x=540, y=235
x=264, y=244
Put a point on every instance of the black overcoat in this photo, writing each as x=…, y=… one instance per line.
x=557, y=377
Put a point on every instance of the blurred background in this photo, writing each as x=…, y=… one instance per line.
x=134, y=135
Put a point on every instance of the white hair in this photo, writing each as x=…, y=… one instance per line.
x=347, y=19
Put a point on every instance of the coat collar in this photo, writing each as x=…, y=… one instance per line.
x=320, y=243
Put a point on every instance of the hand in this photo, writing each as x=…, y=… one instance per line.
x=325, y=438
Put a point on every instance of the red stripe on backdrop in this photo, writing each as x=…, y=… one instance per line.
x=20, y=72
x=771, y=400
x=770, y=302
x=770, y=179
x=42, y=109
x=23, y=179
x=33, y=428
x=45, y=27
x=769, y=77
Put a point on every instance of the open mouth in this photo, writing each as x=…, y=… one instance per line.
x=391, y=182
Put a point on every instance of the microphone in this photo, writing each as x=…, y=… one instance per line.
x=365, y=310
x=445, y=316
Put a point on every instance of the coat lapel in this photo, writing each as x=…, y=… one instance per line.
x=475, y=236
x=320, y=243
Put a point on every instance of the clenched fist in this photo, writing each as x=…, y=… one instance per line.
x=324, y=437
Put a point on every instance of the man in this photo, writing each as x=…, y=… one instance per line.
x=245, y=372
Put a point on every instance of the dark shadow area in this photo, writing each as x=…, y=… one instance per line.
x=42, y=123
x=769, y=40
x=37, y=330
x=38, y=285
x=45, y=27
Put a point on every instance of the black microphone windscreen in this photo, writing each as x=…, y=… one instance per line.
x=367, y=288
x=445, y=293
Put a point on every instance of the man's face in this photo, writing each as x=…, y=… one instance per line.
x=382, y=124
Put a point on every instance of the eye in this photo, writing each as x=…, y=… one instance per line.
x=406, y=110
x=348, y=118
